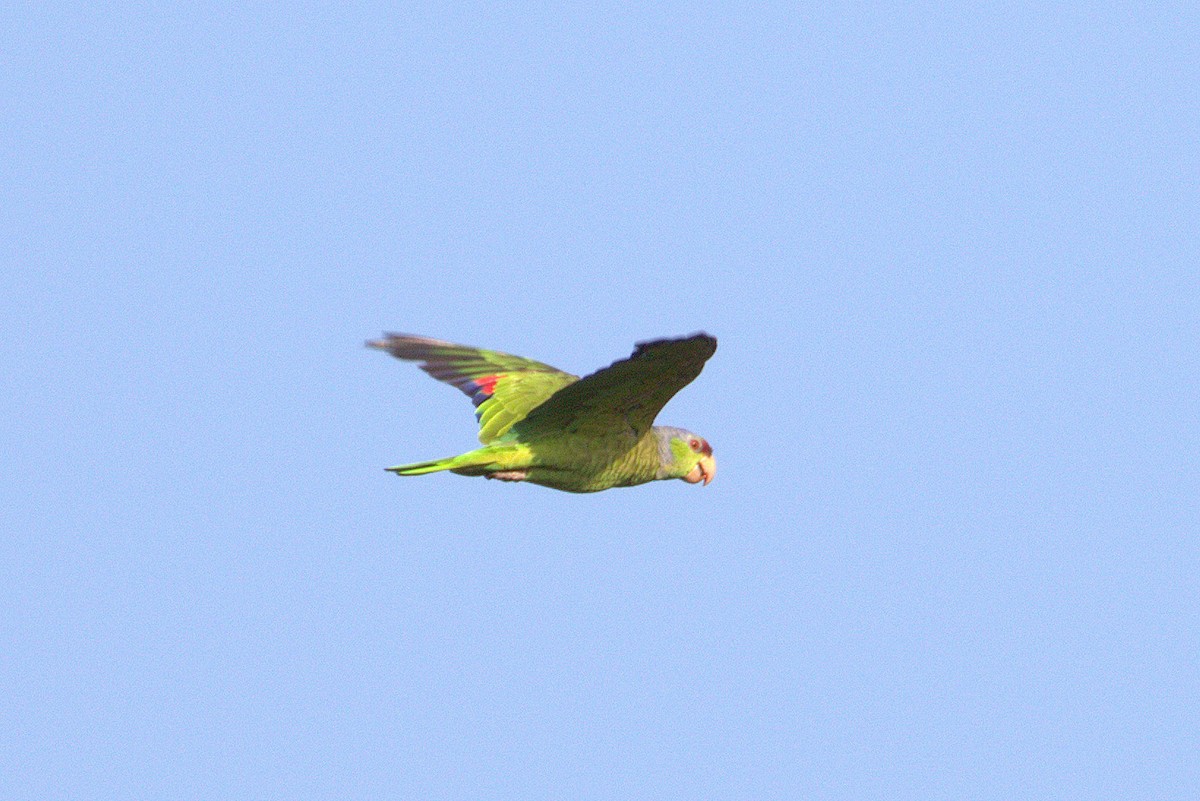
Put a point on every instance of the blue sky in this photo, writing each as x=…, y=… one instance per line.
x=950, y=253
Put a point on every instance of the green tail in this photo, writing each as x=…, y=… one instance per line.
x=473, y=463
x=420, y=468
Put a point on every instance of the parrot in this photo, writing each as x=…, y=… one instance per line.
x=544, y=426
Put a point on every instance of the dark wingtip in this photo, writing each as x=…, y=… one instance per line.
x=405, y=346
x=704, y=336
x=386, y=340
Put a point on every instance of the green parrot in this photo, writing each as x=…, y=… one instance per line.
x=547, y=427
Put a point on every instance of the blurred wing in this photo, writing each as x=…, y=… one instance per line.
x=627, y=395
x=503, y=388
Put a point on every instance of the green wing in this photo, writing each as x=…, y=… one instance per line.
x=504, y=388
x=626, y=396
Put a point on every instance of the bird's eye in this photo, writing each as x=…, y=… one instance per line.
x=694, y=444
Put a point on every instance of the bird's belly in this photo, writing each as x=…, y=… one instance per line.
x=586, y=465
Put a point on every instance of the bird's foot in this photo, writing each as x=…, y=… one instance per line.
x=509, y=475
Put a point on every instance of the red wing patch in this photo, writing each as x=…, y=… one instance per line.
x=480, y=388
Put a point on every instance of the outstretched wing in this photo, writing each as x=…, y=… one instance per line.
x=504, y=388
x=628, y=395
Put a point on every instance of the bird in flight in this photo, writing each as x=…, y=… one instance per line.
x=544, y=426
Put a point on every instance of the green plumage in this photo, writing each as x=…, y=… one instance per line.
x=542, y=425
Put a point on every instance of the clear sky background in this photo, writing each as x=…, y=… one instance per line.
x=951, y=255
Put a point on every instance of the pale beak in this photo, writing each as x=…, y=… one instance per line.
x=705, y=470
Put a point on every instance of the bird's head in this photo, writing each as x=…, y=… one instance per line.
x=685, y=455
